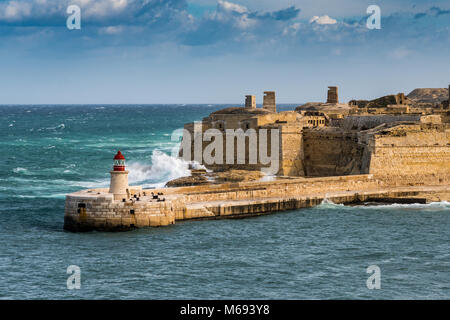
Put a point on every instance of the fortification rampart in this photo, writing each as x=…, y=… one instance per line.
x=331, y=152
x=409, y=150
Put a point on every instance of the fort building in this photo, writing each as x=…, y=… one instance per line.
x=323, y=139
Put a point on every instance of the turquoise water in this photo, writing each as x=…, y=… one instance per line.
x=319, y=253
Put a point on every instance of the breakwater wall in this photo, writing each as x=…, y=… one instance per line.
x=96, y=209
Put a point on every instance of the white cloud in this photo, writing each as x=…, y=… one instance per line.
x=292, y=29
x=20, y=10
x=229, y=6
x=15, y=10
x=102, y=8
x=400, y=53
x=111, y=30
x=322, y=20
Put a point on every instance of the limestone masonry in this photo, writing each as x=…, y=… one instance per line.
x=394, y=148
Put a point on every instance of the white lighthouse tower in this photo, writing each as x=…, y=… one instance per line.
x=119, y=178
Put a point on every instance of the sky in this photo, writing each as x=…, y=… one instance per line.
x=209, y=51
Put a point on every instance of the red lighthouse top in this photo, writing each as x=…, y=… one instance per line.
x=119, y=162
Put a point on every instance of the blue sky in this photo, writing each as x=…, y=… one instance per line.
x=207, y=51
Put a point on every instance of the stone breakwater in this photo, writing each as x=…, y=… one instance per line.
x=96, y=209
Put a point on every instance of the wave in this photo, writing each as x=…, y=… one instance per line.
x=163, y=168
x=43, y=196
x=61, y=126
x=443, y=205
x=20, y=170
x=328, y=204
x=431, y=205
x=91, y=184
x=155, y=174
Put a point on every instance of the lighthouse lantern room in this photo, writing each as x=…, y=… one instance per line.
x=119, y=162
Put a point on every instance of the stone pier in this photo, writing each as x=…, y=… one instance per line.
x=96, y=209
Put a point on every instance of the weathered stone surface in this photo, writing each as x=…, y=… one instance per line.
x=332, y=95
x=188, y=181
x=238, y=176
x=429, y=95
x=250, y=102
x=269, y=101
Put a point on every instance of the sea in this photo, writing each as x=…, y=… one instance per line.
x=327, y=252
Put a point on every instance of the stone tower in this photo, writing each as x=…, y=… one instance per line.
x=332, y=95
x=269, y=101
x=250, y=101
x=119, y=178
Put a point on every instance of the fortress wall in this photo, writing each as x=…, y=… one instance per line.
x=415, y=151
x=102, y=213
x=331, y=152
x=291, y=151
x=285, y=116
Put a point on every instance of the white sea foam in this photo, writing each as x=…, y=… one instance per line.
x=327, y=203
x=163, y=169
x=431, y=205
x=91, y=184
x=20, y=170
x=45, y=196
x=58, y=127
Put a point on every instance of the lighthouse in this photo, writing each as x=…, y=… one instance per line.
x=119, y=177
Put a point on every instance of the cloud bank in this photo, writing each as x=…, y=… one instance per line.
x=227, y=27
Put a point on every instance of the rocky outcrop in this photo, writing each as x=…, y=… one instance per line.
x=428, y=95
x=196, y=180
x=383, y=102
x=216, y=178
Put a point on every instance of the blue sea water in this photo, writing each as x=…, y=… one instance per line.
x=318, y=253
